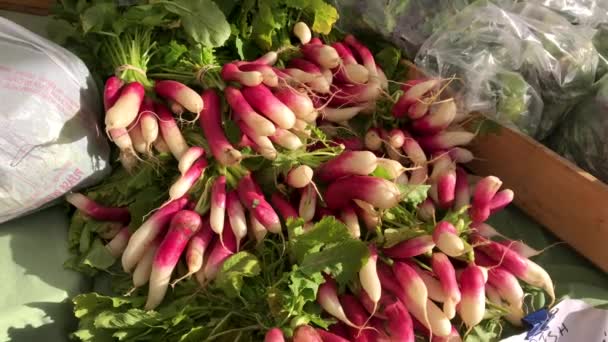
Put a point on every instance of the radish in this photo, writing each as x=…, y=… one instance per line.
x=439, y=118
x=372, y=140
x=399, y=323
x=211, y=123
x=375, y=309
x=366, y=56
x=142, y=271
x=183, y=225
x=308, y=203
x=219, y=252
x=185, y=182
x=485, y=190
x=274, y=335
x=269, y=58
x=426, y=210
x=257, y=231
x=160, y=145
x=368, y=276
x=109, y=230
x=347, y=94
x=118, y=244
x=236, y=217
x=319, y=82
x=170, y=132
x=507, y=285
x=402, y=179
x=515, y=314
x=327, y=297
x=97, y=211
x=462, y=195
x=197, y=246
x=261, y=99
x=302, y=31
x=446, y=188
x=378, y=192
x=243, y=112
x=323, y=55
x=395, y=137
x=461, y=155
x=382, y=78
x=339, y=329
x=149, y=124
x=447, y=240
x=176, y=108
x=350, y=144
x=261, y=144
x=122, y=139
x=410, y=248
x=316, y=41
x=299, y=103
x=345, y=53
x=148, y=231
x=454, y=336
x=286, y=139
x=269, y=77
x=111, y=91
x=444, y=270
x=472, y=304
x=370, y=217
x=181, y=94
x=340, y=114
x=348, y=163
x=523, y=268
x=255, y=202
x=356, y=314
x=326, y=336
x=231, y=72
x=352, y=73
x=125, y=109
x=520, y=248
x=502, y=199
x=433, y=285
x=445, y=140
x=299, y=176
x=350, y=219
x=217, y=209
x=413, y=95
x=285, y=208
x=189, y=157
x=297, y=75
x=392, y=168
x=306, y=333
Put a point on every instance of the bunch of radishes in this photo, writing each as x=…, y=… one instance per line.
x=420, y=284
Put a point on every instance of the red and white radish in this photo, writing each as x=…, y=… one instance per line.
x=308, y=202
x=439, y=118
x=217, y=209
x=286, y=139
x=447, y=240
x=117, y=245
x=125, y=109
x=323, y=55
x=255, y=202
x=236, y=217
x=262, y=100
x=189, y=157
x=285, y=209
x=299, y=176
x=97, y=211
x=170, y=132
x=368, y=277
x=111, y=91
x=186, y=181
x=351, y=220
x=181, y=94
x=243, y=111
x=299, y=103
x=142, y=271
x=306, y=333
x=327, y=297
x=231, y=72
x=378, y=192
x=462, y=194
x=473, y=303
x=274, y=335
x=348, y=163
x=302, y=32
x=446, y=273
x=399, y=323
x=507, y=285
x=269, y=77
x=221, y=249
x=445, y=140
x=211, y=123
x=410, y=248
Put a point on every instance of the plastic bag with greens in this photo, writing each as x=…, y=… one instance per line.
x=580, y=12
x=525, y=65
x=407, y=24
x=583, y=136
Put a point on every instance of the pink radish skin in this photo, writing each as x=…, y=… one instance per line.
x=184, y=224
x=148, y=231
x=439, y=118
x=485, y=190
x=274, y=335
x=125, y=109
x=211, y=122
x=176, y=108
x=285, y=208
x=349, y=94
x=231, y=72
x=327, y=297
x=255, y=202
x=269, y=77
x=462, y=194
x=350, y=144
x=261, y=99
x=181, y=94
x=400, y=325
x=372, y=140
x=286, y=139
x=299, y=176
x=97, y=211
x=432, y=284
x=306, y=333
x=111, y=91
x=461, y=155
x=185, y=182
x=340, y=114
x=219, y=253
x=308, y=203
x=502, y=199
x=118, y=244
x=319, y=83
x=339, y=329
x=142, y=271
x=446, y=188
x=507, y=285
x=170, y=132
x=411, y=248
x=243, y=112
x=323, y=55
x=445, y=140
x=454, y=336
x=364, y=53
x=299, y=103
x=520, y=248
x=524, y=269
x=351, y=73
x=447, y=240
x=217, y=210
x=350, y=219
x=368, y=277
x=257, y=231
x=197, y=246
x=326, y=336
x=189, y=157
x=348, y=163
x=473, y=303
x=413, y=150
x=426, y=210
x=444, y=270
x=261, y=144
x=345, y=53
x=378, y=192
x=396, y=138
x=357, y=315
x=414, y=95
x=302, y=31
x=316, y=41
x=269, y=58
x=236, y=216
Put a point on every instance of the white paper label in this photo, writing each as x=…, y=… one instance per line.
x=572, y=320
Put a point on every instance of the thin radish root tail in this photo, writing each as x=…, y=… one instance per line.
x=130, y=292
x=180, y=279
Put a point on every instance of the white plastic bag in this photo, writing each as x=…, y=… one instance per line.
x=50, y=141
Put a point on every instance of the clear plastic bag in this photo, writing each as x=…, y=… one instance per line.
x=579, y=12
x=583, y=136
x=525, y=66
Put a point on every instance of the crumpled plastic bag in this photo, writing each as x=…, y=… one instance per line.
x=525, y=66
x=583, y=136
x=50, y=141
x=579, y=12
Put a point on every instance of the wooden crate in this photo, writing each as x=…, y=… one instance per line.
x=567, y=200
x=39, y=7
